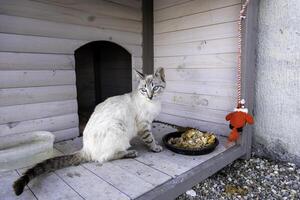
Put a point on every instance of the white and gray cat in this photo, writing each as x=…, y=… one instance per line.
x=110, y=128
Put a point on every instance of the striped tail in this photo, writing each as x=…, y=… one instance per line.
x=47, y=166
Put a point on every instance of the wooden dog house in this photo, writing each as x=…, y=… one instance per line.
x=42, y=82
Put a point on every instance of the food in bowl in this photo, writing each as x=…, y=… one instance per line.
x=193, y=139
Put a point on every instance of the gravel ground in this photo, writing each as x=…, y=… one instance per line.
x=256, y=178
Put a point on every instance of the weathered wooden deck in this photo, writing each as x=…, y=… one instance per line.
x=149, y=176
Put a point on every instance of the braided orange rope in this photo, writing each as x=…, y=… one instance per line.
x=239, y=61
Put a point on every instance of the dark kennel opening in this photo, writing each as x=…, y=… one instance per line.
x=103, y=69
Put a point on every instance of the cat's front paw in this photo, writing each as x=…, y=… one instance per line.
x=156, y=148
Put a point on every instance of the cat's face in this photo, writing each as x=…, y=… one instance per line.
x=152, y=86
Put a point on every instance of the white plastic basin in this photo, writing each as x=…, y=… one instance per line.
x=24, y=149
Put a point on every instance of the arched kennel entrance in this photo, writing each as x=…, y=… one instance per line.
x=103, y=69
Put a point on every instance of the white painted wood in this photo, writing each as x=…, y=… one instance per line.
x=228, y=45
x=51, y=186
x=29, y=26
x=160, y=4
x=28, y=61
x=198, y=61
x=129, y=3
x=217, y=31
x=137, y=63
x=207, y=88
x=35, y=44
x=200, y=101
x=6, y=190
x=11, y=114
x=205, y=114
x=38, y=10
x=98, y=8
x=142, y=171
x=226, y=14
x=66, y=134
x=34, y=78
x=191, y=7
x=116, y=176
x=52, y=124
x=88, y=185
x=219, y=129
x=227, y=75
x=69, y=146
x=17, y=96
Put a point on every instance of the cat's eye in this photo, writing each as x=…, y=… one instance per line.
x=143, y=90
x=156, y=88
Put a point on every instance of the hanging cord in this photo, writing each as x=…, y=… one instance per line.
x=239, y=61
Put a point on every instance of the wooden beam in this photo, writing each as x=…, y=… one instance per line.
x=248, y=70
x=148, y=36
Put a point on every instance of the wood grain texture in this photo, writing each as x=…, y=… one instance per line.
x=161, y=4
x=35, y=44
x=206, y=88
x=218, y=31
x=200, y=100
x=36, y=78
x=66, y=134
x=196, y=43
x=98, y=8
x=115, y=175
x=190, y=8
x=29, y=61
x=215, y=75
x=129, y=3
x=6, y=189
x=218, y=46
x=88, y=185
x=44, y=187
x=227, y=60
x=219, y=129
x=17, y=113
x=17, y=96
x=52, y=124
x=142, y=171
x=39, y=10
x=204, y=114
x=227, y=14
x=36, y=27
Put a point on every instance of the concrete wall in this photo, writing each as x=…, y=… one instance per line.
x=277, y=110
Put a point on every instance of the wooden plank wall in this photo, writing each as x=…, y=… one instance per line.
x=196, y=42
x=37, y=43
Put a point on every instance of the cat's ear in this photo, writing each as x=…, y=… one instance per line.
x=160, y=73
x=140, y=75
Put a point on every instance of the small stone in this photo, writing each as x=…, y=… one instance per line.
x=191, y=193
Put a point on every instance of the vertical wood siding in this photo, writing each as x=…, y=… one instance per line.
x=37, y=66
x=196, y=43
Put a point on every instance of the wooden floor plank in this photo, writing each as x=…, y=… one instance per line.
x=142, y=171
x=126, y=182
x=88, y=185
x=69, y=146
x=50, y=186
x=6, y=190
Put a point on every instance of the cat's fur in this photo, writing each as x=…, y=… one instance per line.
x=109, y=130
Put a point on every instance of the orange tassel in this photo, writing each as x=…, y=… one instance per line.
x=233, y=136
